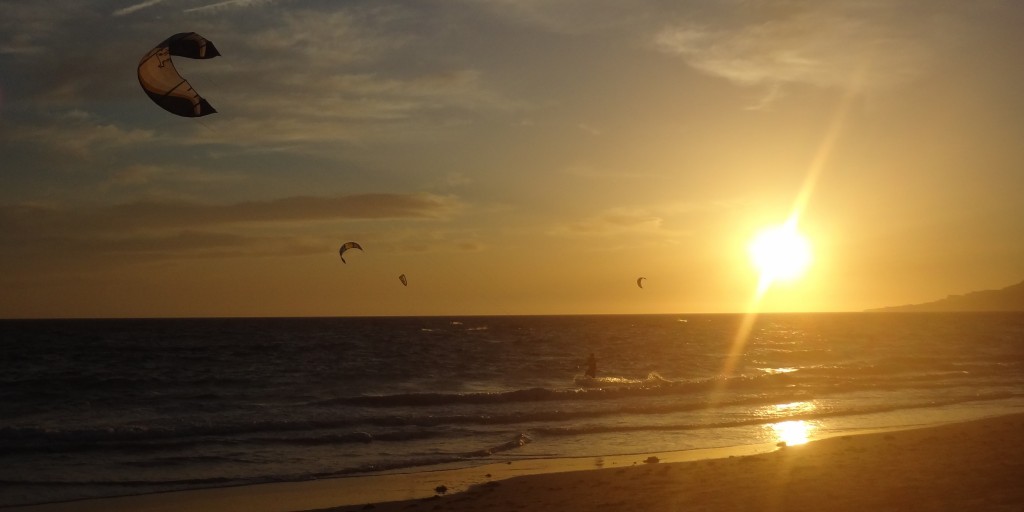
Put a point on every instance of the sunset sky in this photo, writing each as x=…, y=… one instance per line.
x=508, y=156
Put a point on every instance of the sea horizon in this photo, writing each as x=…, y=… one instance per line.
x=871, y=311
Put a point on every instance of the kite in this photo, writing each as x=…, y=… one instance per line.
x=405, y=282
x=640, y=281
x=162, y=82
x=346, y=246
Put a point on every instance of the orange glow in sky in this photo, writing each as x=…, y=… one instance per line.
x=536, y=162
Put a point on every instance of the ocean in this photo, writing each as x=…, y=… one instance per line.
x=92, y=408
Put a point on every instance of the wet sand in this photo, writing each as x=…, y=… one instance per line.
x=976, y=465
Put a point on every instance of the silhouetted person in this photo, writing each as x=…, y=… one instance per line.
x=591, y=366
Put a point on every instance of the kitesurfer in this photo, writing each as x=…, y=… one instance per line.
x=591, y=366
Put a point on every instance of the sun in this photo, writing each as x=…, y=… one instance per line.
x=780, y=253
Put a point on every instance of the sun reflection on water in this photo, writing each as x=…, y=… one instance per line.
x=791, y=432
x=793, y=408
x=777, y=371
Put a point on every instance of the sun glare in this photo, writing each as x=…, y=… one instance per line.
x=780, y=253
x=792, y=432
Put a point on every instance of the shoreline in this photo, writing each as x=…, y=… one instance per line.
x=957, y=450
x=359, y=490
x=968, y=465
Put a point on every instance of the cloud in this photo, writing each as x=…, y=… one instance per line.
x=227, y=4
x=297, y=77
x=317, y=40
x=849, y=45
x=604, y=173
x=315, y=76
x=28, y=29
x=20, y=45
x=80, y=134
x=370, y=97
x=668, y=223
x=617, y=221
x=30, y=220
x=146, y=177
x=354, y=108
x=136, y=7
x=569, y=16
x=203, y=7
x=591, y=129
x=45, y=236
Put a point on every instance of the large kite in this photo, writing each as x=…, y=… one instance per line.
x=162, y=82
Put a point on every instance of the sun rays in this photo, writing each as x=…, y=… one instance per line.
x=782, y=252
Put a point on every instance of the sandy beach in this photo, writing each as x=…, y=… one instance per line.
x=976, y=465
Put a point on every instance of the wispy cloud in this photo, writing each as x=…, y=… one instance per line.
x=81, y=134
x=318, y=76
x=136, y=7
x=30, y=28
x=20, y=45
x=825, y=44
x=352, y=108
x=204, y=7
x=619, y=220
x=569, y=16
x=662, y=223
x=30, y=220
x=227, y=4
x=166, y=180
x=44, y=236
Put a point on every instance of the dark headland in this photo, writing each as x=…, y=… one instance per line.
x=1010, y=298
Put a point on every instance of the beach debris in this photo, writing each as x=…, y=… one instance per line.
x=346, y=246
x=362, y=437
x=640, y=282
x=402, y=278
x=520, y=440
x=161, y=80
x=441, y=489
x=652, y=460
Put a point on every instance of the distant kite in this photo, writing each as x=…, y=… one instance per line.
x=405, y=282
x=346, y=246
x=162, y=82
x=640, y=281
